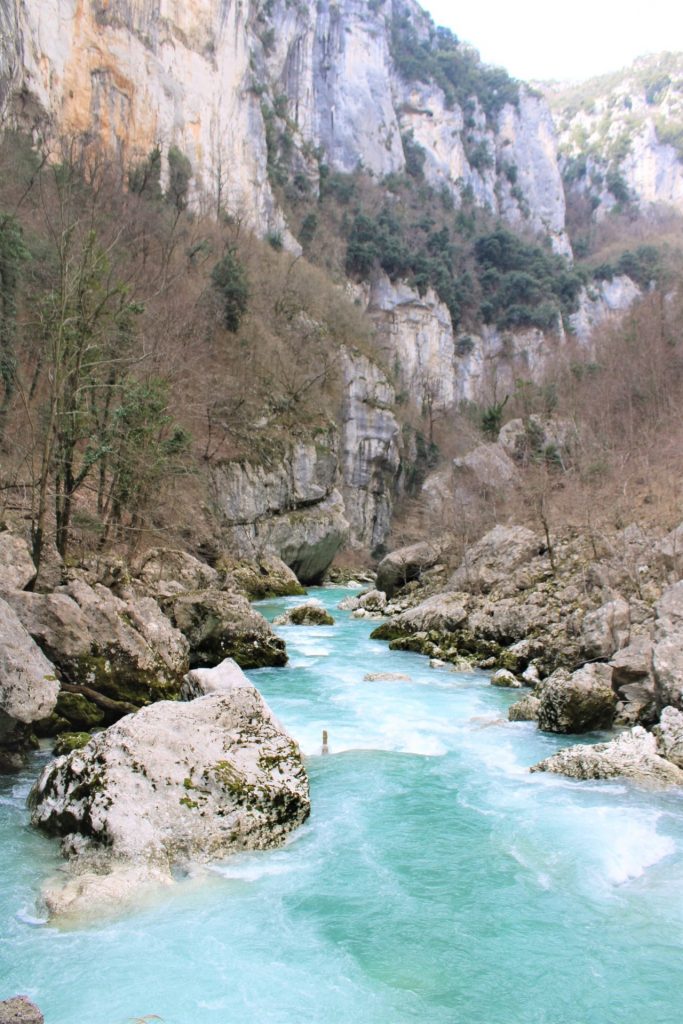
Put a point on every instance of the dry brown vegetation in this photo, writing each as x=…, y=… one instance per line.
x=121, y=383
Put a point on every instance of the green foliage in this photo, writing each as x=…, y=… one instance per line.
x=617, y=186
x=144, y=179
x=384, y=242
x=309, y=227
x=523, y=285
x=492, y=419
x=643, y=265
x=179, y=176
x=415, y=156
x=479, y=155
x=456, y=69
x=229, y=278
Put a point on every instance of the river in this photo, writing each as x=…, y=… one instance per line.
x=436, y=881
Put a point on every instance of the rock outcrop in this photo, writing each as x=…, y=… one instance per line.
x=172, y=784
x=291, y=508
x=667, y=655
x=632, y=755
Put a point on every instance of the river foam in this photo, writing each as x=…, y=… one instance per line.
x=437, y=880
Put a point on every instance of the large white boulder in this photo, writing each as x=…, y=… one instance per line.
x=174, y=784
x=632, y=755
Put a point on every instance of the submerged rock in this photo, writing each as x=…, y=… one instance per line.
x=578, y=702
x=174, y=783
x=386, y=677
x=311, y=613
x=525, y=710
x=632, y=755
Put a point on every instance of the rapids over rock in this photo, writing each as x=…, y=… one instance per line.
x=437, y=880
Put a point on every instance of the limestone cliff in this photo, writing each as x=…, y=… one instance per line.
x=621, y=136
x=239, y=84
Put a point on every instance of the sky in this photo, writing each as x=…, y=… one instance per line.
x=571, y=40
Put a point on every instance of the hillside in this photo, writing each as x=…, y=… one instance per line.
x=333, y=253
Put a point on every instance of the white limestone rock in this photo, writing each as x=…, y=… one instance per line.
x=172, y=784
x=669, y=736
x=502, y=677
x=578, y=702
x=632, y=755
x=16, y=565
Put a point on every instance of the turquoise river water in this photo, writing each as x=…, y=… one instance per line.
x=436, y=881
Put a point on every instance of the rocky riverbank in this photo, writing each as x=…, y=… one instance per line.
x=593, y=629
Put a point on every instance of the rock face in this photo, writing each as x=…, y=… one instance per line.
x=618, y=140
x=632, y=755
x=176, y=782
x=371, y=455
x=28, y=686
x=104, y=72
x=292, y=508
x=580, y=702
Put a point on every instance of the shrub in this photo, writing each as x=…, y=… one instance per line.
x=229, y=278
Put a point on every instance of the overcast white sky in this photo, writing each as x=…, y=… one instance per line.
x=574, y=39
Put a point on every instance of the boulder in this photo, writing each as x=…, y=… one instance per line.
x=526, y=439
x=605, y=629
x=632, y=755
x=634, y=684
x=525, y=710
x=669, y=736
x=176, y=782
x=670, y=550
x=311, y=613
x=126, y=650
x=405, y=564
x=667, y=654
x=28, y=688
x=374, y=601
x=265, y=576
x=486, y=468
x=16, y=565
x=167, y=571
x=578, y=702
x=505, y=679
x=20, y=1010
x=442, y=613
x=493, y=558
x=221, y=624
